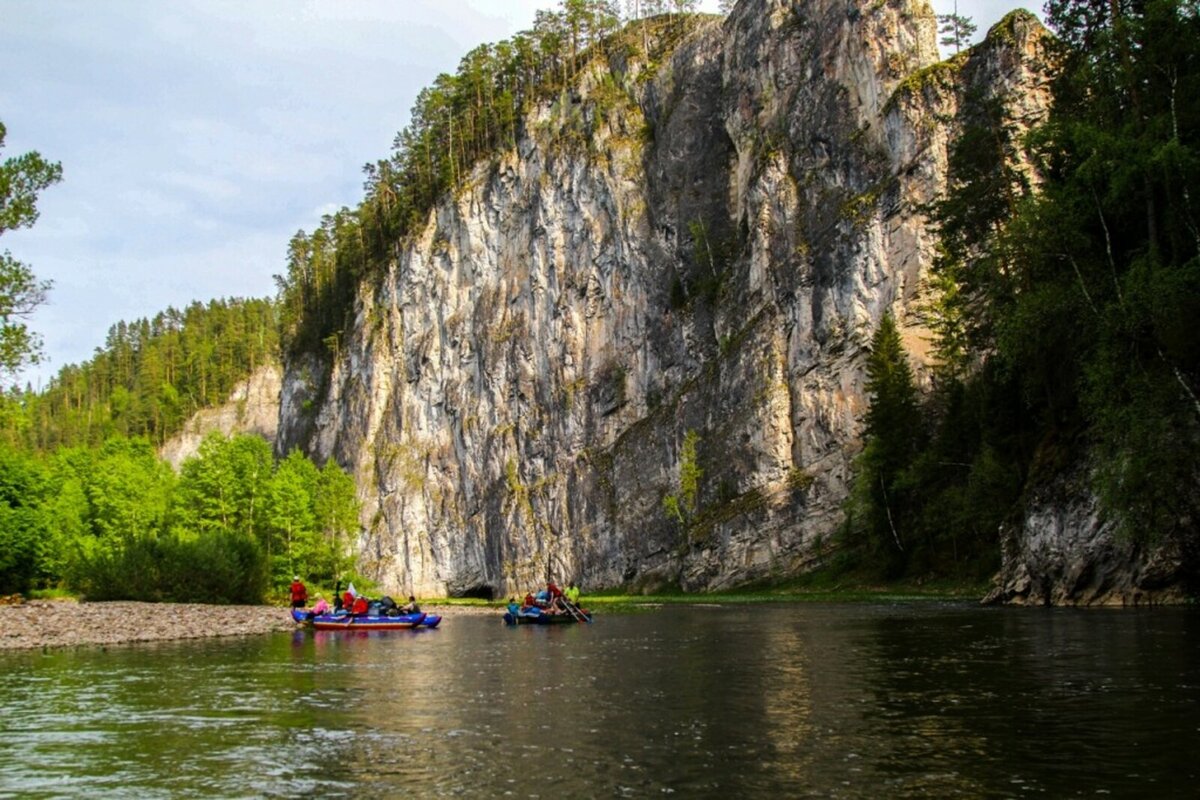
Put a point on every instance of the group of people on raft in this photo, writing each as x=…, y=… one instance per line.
x=551, y=600
x=351, y=602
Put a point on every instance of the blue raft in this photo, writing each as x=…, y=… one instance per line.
x=364, y=622
x=536, y=616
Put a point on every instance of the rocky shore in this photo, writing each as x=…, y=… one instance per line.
x=64, y=623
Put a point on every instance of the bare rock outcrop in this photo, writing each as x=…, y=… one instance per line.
x=252, y=408
x=1064, y=552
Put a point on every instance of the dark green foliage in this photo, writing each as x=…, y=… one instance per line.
x=882, y=501
x=893, y=420
x=1065, y=311
x=956, y=30
x=22, y=178
x=218, y=567
x=22, y=529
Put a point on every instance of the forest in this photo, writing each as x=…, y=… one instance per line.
x=87, y=505
x=115, y=522
x=1063, y=305
x=149, y=378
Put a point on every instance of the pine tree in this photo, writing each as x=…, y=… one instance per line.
x=892, y=436
x=956, y=29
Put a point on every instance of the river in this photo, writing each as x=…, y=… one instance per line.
x=757, y=701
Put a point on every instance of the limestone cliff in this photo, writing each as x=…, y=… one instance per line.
x=630, y=350
x=252, y=408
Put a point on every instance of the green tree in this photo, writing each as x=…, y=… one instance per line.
x=336, y=509
x=128, y=491
x=224, y=487
x=21, y=179
x=956, y=29
x=1066, y=305
x=1123, y=245
x=295, y=544
x=23, y=529
x=892, y=437
x=149, y=378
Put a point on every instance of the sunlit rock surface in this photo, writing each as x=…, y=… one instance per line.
x=252, y=408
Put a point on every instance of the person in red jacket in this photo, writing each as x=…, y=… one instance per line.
x=360, y=605
x=555, y=595
x=299, y=593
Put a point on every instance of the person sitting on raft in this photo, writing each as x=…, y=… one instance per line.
x=359, y=605
x=411, y=606
x=555, y=594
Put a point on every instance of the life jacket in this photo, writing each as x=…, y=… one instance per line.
x=360, y=605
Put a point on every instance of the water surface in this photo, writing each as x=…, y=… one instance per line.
x=777, y=701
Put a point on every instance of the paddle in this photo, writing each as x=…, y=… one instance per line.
x=575, y=612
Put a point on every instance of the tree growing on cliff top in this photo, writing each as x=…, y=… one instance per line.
x=459, y=121
x=21, y=179
x=956, y=30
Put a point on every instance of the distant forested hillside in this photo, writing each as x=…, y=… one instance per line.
x=149, y=378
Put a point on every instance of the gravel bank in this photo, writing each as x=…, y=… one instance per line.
x=64, y=623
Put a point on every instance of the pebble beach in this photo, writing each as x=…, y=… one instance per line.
x=66, y=623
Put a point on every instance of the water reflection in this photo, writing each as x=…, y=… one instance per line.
x=781, y=701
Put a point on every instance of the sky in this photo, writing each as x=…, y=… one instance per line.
x=197, y=136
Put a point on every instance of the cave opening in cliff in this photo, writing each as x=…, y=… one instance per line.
x=480, y=592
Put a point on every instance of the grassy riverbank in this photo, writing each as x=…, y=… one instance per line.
x=815, y=589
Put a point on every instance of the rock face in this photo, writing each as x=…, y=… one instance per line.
x=630, y=350
x=1065, y=553
x=253, y=408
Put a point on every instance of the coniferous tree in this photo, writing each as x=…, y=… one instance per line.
x=956, y=29
x=1067, y=305
x=456, y=123
x=892, y=435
